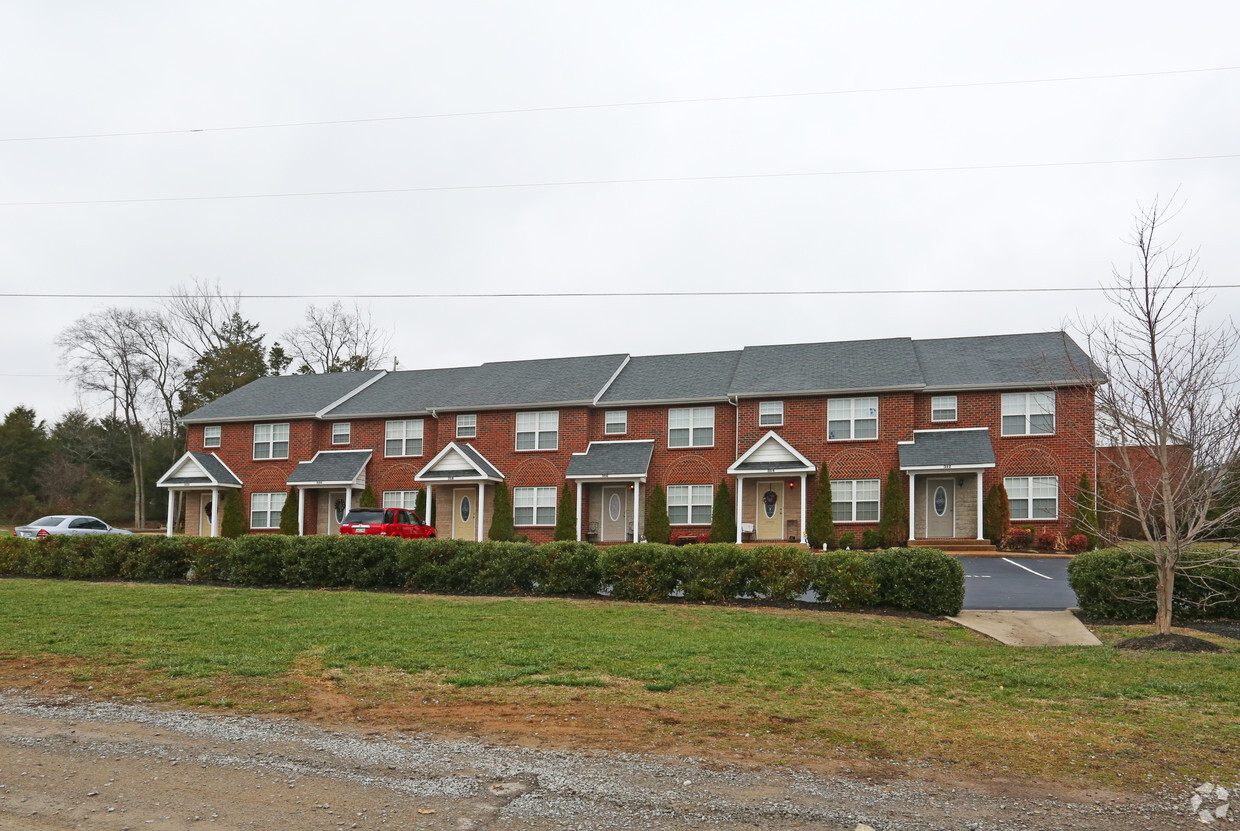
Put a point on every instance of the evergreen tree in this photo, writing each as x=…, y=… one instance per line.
x=658, y=527
x=996, y=514
x=232, y=521
x=288, y=514
x=234, y=362
x=419, y=506
x=501, y=515
x=893, y=525
x=24, y=446
x=1085, y=515
x=723, y=515
x=820, y=527
x=367, y=498
x=566, y=516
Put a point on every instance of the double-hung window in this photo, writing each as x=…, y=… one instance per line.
x=403, y=438
x=691, y=427
x=854, y=500
x=467, y=426
x=1028, y=413
x=770, y=413
x=265, y=509
x=616, y=422
x=400, y=499
x=943, y=408
x=533, y=506
x=271, y=441
x=1033, y=497
x=689, y=504
x=211, y=436
x=852, y=418
x=342, y=432
x=538, y=431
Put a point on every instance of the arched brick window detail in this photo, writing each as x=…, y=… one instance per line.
x=1029, y=460
x=692, y=469
x=856, y=464
x=535, y=472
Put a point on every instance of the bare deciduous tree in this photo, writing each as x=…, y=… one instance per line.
x=199, y=315
x=1169, y=415
x=335, y=339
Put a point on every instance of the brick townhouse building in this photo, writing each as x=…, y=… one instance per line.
x=953, y=416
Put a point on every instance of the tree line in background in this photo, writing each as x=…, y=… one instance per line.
x=149, y=367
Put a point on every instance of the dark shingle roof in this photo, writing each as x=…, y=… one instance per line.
x=1035, y=359
x=611, y=458
x=699, y=376
x=890, y=363
x=216, y=469
x=522, y=383
x=330, y=467
x=399, y=393
x=948, y=448
x=280, y=396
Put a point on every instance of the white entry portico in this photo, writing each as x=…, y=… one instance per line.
x=775, y=473
x=945, y=472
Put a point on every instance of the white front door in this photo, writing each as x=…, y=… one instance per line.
x=941, y=508
x=464, y=513
x=770, y=524
x=206, y=506
x=335, y=511
x=615, y=514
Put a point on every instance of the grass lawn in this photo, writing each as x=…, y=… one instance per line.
x=797, y=685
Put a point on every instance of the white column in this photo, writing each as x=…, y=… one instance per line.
x=637, y=488
x=804, y=533
x=348, y=499
x=478, y=531
x=171, y=515
x=740, y=490
x=578, y=510
x=979, y=504
x=215, y=511
x=301, y=512
x=912, y=499
x=427, y=518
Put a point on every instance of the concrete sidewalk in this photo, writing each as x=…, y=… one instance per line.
x=1028, y=628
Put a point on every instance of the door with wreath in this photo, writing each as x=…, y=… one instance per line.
x=770, y=524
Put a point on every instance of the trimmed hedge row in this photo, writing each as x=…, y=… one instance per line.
x=1114, y=584
x=924, y=580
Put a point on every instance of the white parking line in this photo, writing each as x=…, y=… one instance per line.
x=1026, y=568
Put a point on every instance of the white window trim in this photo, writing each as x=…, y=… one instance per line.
x=539, y=498
x=852, y=418
x=271, y=510
x=398, y=499
x=271, y=442
x=1027, y=412
x=853, y=501
x=955, y=408
x=622, y=420
x=471, y=425
x=206, y=435
x=693, y=427
x=779, y=416
x=348, y=432
x=404, y=438
x=537, y=431
x=1028, y=500
x=691, y=503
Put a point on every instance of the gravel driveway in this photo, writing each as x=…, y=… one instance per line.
x=73, y=763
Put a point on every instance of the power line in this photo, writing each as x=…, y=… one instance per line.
x=537, y=295
x=640, y=181
x=619, y=105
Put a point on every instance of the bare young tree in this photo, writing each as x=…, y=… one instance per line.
x=335, y=339
x=199, y=315
x=1169, y=415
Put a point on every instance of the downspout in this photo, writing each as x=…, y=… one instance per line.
x=736, y=432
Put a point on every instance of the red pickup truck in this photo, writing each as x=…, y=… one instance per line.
x=386, y=522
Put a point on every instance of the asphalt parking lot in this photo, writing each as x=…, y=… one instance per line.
x=1018, y=583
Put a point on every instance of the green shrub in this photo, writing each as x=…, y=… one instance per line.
x=359, y=562
x=233, y=522
x=871, y=539
x=150, y=558
x=723, y=515
x=996, y=514
x=501, y=515
x=716, y=572
x=566, y=516
x=366, y=499
x=658, y=526
x=820, y=527
x=427, y=565
x=922, y=579
x=848, y=540
x=781, y=572
x=640, y=571
x=570, y=568
x=1116, y=584
x=207, y=557
x=844, y=579
x=893, y=524
x=288, y=514
x=494, y=568
x=258, y=559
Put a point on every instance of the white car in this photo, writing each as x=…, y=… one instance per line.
x=69, y=524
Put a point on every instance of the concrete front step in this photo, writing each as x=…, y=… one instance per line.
x=954, y=544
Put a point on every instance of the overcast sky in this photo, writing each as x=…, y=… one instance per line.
x=73, y=69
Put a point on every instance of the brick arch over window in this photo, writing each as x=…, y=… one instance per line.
x=398, y=477
x=534, y=472
x=1029, y=460
x=268, y=481
x=694, y=469
x=855, y=464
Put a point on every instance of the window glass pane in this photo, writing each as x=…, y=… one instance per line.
x=678, y=437
x=678, y=514
x=1013, y=403
x=1045, y=486
x=841, y=511
x=525, y=441
x=394, y=430
x=262, y=451
x=1041, y=424
x=838, y=408
x=523, y=516
x=616, y=421
x=703, y=436
x=867, y=511
x=391, y=447
x=677, y=493
x=279, y=450
x=701, y=514
x=279, y=432
x=677, y=419
x=548, y=440
x=703, y=417
x=865, y=428
x=413, y=447
x=1017, y=487
x=1014, y=425
x=867, y=489
x=526, y=421
x=1044, y=509
x=262, y=432
x=1042, y=402
x=838, y=430
x=866, y=408
x=340, y=433
x=1020, y=508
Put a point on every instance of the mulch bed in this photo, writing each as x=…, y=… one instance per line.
x=1170, y=643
